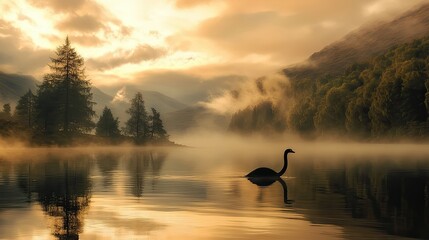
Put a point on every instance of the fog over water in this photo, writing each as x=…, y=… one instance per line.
x=331, y=190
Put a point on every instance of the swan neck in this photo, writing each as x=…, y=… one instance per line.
x=284, y=166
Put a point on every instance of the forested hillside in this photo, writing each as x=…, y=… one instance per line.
x=385, y=97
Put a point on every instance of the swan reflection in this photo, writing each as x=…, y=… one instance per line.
x=265, y=182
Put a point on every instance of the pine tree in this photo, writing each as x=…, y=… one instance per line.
x=107, y=126
x=137, y=124
x=68, y=82
x=47, y=116
x=25, y=109
x=157, y=131
x=5, y=114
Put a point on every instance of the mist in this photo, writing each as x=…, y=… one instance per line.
x=271, y=88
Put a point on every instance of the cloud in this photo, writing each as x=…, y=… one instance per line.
x=191, y=3
x=249, y=93
x=88, y=40
x=121, y=96
x=120, y=57
x=387, y=8
x=282, y=31
x=59, y=5
x=84, y=23
x=191, y=85
x=17, y=53
x=187, y=87
x=84, y=17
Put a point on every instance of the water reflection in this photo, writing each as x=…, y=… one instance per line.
x=142, y=163
x=62, y=187
x=136, y=193
x=107, y=163
x=265, y=182
x=390, y=194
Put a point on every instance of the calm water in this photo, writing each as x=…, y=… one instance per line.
x=336, y=192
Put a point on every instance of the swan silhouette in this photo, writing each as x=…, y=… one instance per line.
x=264, y=172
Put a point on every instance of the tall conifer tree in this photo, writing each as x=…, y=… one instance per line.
x=68, y=85
x=137, y=125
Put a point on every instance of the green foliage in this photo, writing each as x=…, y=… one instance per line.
x=301, y=116
x=107, y=126
x=262, y=117
x=386, y=97
x=137, y=125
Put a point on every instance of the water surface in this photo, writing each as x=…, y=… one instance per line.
x=336, y=192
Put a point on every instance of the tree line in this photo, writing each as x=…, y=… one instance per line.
x=62, y=108
x=385, y=97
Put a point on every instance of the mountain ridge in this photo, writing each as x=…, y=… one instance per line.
x=364, y=43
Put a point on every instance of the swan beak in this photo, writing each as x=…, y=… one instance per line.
x=292, y=151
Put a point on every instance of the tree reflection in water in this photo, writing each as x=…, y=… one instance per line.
x=392, y=193
x=142, y=163
x=63, y=190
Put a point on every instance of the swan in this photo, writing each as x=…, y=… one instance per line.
x=264, y=172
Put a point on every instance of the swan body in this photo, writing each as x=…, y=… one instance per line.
x=264, y=172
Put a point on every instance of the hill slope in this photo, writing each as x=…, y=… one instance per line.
x=372, y=84
x=13, y=86
x=363, y=44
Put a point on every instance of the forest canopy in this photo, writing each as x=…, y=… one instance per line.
x=385, y=97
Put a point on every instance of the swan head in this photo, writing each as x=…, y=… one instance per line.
x=289, y=151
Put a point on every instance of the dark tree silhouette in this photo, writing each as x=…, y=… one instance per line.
x=107, y=125
x=67, y=81
x=137, y=125
x=47, y=117
x=24, y=111
x=6, y=111
x=157, y=131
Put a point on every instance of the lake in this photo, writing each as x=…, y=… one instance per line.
x=330, y=191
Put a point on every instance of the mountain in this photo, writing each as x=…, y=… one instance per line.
x=120, y=103
x=13, y=86
x=363, y=44
x=371, y=84
x=194, y=117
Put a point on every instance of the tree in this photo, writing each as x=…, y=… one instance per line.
x=6, y=111
x=67, y=81
x=25, y=109
x=137, y=125
x=331, y=116
x=157, y=131
x=47, y=116
x=7, y=125
x=107, y=126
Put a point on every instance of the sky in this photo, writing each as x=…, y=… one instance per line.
x=173, y=45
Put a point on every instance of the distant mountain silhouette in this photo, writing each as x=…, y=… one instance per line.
x=363, y=44
x=164, y=104
x=194, y=117
x=13, y=86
